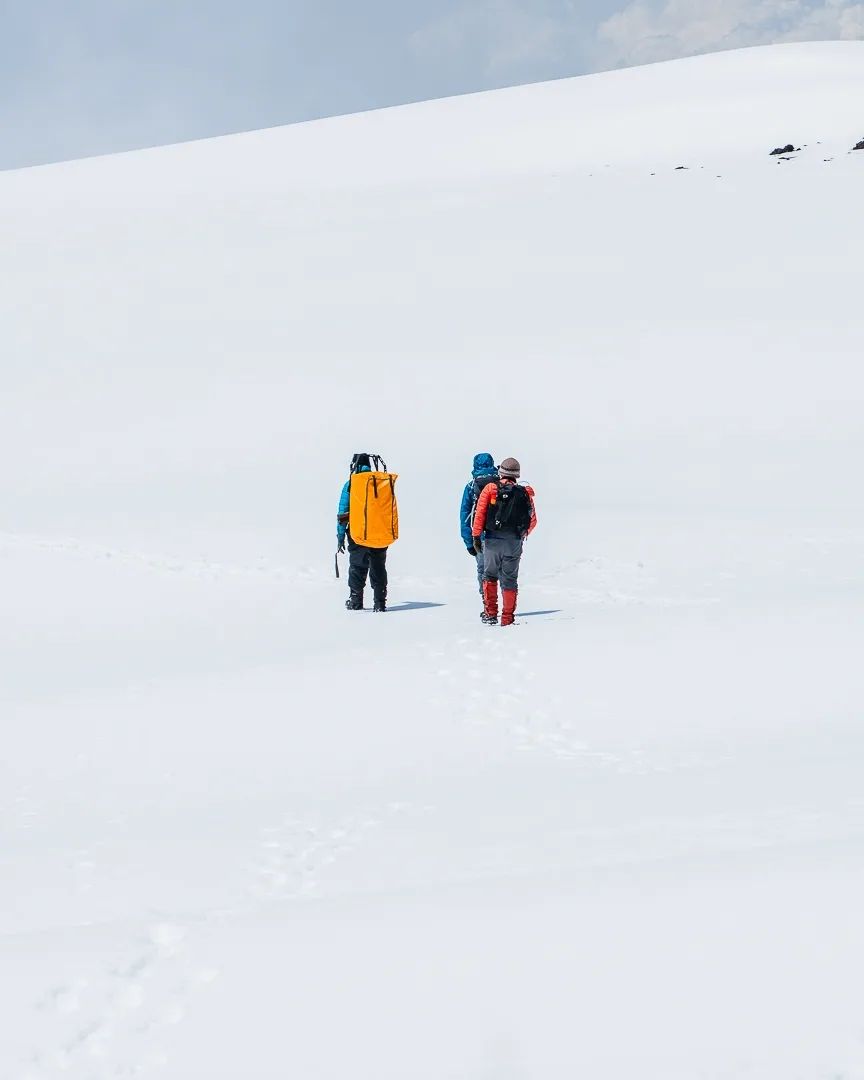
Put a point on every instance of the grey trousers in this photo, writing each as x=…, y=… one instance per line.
x=501, y=555
x=480, y=565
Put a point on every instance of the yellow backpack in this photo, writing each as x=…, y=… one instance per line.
x=373, y=517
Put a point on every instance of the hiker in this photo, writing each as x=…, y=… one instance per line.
x=505, y=515
x=367, y=520
x=482, y=472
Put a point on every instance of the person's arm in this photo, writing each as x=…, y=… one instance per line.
x=465, y=517
x=480, y=513
x=342, y=513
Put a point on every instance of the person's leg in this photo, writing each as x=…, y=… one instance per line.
x=510, y=559
x=358, y=568
x=378, y=576
x=491, y=572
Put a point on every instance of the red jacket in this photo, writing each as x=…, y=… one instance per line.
x=483, y=505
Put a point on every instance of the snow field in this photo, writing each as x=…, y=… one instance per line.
x=246, y=833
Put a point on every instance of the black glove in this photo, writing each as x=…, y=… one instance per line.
x=471, y=552
x=341, y=548
x=478, y=545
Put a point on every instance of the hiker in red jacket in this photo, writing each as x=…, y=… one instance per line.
x=505, y=515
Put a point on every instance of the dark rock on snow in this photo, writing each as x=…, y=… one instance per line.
x=859, y=146
x=787, y=149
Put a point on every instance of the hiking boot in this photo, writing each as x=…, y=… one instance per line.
x=355, y=601
x=380, y=603
x=491, y=620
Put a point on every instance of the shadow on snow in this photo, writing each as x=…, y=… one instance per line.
x=413, y=605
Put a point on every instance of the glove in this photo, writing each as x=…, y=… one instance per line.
x=471, y=552
x=341, y=548
x=478, y=544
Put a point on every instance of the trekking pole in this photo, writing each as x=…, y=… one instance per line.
x=336, y=562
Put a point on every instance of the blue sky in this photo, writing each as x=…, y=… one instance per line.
x=82, y=77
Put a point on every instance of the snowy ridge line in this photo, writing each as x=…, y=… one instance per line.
x=201, y=568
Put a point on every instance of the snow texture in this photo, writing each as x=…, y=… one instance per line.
x=245, y=833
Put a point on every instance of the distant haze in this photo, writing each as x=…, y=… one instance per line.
x=99, y=76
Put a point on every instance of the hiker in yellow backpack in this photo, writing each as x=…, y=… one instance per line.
x=369, y=521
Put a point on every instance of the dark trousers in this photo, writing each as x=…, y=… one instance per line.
x=363, y=561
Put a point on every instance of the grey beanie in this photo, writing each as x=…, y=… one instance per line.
x=509, y=469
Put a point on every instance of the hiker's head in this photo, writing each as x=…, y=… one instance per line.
x=483, y=463
x=509, y=469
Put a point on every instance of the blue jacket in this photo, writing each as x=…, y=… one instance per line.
x=345, y=505
x=484, y=468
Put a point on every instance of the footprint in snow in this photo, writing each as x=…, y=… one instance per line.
x=121, y=1011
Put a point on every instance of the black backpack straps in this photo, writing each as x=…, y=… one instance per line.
x=503, y=505
x=376, y=462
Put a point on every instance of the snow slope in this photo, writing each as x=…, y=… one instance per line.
x=244, y=833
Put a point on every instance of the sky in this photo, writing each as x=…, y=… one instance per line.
x=85, y=77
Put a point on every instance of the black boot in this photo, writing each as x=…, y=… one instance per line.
x=355, y=601
x=380, y=602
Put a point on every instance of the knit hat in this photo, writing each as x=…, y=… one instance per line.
x=509, y=469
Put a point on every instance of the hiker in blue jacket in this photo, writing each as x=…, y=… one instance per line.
x=362, y=561
x=483, y=472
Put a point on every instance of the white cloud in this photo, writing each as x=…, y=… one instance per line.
x=502, y=34
x=643, y=32
x=844, y=21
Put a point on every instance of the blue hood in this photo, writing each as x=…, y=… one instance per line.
x=484, y=465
